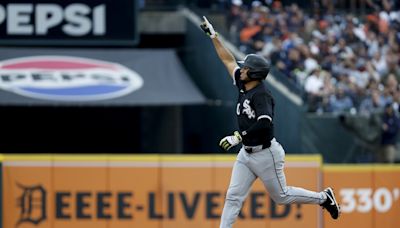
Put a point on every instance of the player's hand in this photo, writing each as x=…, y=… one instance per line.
x=230, y=141
x=208, y=28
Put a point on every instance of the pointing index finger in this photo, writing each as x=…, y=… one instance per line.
x=205, y=19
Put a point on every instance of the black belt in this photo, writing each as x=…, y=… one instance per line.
x=254, y=149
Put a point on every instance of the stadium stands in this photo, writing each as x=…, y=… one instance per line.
x=339, y=59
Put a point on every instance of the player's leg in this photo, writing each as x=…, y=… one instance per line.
x=269, y=165
x=273, y=177
x=241, y=180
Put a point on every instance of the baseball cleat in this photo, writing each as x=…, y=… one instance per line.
x=331, y=204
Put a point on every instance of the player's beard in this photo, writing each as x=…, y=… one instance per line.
x=246, y=80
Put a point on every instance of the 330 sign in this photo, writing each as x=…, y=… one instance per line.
x=363, y=200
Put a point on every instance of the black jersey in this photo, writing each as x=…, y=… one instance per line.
x=253, y=105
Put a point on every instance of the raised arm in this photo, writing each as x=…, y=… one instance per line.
x=223, y=53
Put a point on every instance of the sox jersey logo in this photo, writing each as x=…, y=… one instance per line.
x=251, y=114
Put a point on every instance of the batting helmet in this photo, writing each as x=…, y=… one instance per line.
x=258, y=66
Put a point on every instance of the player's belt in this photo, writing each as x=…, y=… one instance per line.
x=254, y=149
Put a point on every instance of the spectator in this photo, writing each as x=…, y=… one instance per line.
x=393, y=66
x=247, y=33
x=390, y=129
x=234, y=20
x=372, y=104
x=341, y=50
x=391, y=84
x=340, y=102
x=313, y=86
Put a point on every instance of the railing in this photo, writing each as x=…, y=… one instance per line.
x=290, y=84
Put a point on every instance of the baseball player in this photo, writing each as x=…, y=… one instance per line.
x=261, y=155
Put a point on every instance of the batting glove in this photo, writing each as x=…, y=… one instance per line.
x=230, y=141
x=208, y=28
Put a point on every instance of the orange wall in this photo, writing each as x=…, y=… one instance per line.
x=184, y=191
x=145, y=192
x=369, y=195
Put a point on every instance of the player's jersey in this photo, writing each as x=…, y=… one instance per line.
x=251, y=106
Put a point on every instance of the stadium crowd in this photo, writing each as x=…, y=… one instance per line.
x=344, y=62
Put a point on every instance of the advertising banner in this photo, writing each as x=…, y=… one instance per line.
x=36, y=76
x=143, y=191
x=368, y=194
x=68, y=23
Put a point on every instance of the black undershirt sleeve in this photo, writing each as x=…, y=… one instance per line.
x=261, y=126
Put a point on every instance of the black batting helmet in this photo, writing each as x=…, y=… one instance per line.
x=258, y=66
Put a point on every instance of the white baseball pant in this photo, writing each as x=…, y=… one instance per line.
x=268, y=165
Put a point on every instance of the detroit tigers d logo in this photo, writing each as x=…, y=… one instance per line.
x=32, y=204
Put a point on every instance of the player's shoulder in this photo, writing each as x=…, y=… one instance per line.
x=262, y=91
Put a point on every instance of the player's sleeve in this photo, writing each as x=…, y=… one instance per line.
x=236, y=77
x=263, y=106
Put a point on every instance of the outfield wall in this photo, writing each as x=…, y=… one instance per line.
x=369, y=195
x=163, y=191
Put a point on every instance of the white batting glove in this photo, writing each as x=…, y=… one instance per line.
x=208, y=28
x=230, y=141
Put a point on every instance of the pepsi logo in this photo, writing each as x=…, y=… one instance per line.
x=65, y=78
